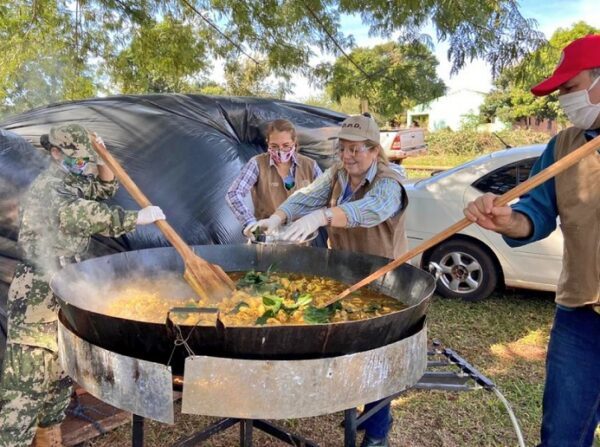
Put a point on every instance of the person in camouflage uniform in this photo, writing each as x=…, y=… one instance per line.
x=58, y=215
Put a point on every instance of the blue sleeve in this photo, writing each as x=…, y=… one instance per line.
x=539, y=205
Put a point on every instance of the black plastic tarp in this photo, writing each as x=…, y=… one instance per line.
x=183, y=151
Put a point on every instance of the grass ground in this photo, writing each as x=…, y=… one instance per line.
x=442, y=161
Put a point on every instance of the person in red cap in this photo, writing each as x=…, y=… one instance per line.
x=571, y=404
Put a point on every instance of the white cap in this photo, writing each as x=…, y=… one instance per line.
x=359, y=128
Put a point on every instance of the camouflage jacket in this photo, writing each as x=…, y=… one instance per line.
x=59, y=214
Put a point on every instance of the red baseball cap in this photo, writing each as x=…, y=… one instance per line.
x=581, y=54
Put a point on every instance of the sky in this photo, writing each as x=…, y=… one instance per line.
x=550, y=15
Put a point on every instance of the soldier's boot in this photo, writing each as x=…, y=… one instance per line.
x=48, y=437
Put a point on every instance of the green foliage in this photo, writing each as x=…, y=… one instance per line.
x=347, y=105
x=399, y=77
x=57, y=50
x=470, y=121
x=512, y=101
x=42, y=58
x=162, y=57
x=247, y=78
x=471, y=142
x=493, y=30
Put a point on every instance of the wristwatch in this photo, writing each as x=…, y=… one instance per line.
x=328, y=215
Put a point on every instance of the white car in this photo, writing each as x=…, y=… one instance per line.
x=475, y=261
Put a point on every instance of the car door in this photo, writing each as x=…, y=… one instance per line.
x=537, y=263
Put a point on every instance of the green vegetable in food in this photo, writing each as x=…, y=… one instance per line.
x=314, y=315
x=238, y=307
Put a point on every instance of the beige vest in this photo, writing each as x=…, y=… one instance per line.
x=578, y=199
x=269, y=192
x=387, y=239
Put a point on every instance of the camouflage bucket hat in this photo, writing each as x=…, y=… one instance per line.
x=73, y=140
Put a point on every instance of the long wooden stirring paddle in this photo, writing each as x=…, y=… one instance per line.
x=209, y=281
x=516, y=192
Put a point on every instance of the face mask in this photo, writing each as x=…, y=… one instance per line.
x=282, y=156
x=579, y=109
x=78, y=166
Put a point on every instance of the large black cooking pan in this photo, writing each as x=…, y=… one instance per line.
x=81, y=290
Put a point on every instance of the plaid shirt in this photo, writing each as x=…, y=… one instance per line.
x=381, y=202
x=244, y=182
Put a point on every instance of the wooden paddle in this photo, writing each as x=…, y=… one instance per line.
x=209, y=281
x=551, y=171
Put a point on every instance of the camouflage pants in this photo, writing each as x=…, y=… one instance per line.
x=33, y=392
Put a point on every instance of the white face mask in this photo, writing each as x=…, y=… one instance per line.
x=579, y=109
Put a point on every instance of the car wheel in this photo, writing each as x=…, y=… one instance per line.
x=467, y=270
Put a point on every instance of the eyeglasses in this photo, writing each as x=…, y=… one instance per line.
x=284, y=147
x=79, y=162
x=352, y=149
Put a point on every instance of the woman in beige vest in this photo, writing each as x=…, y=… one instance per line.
x=271, y=177
x=362, y=201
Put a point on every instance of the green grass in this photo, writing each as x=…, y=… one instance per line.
x=438, y=160
x=504, y=337
x=442, y=161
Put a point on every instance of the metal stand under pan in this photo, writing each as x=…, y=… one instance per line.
x=246, y=391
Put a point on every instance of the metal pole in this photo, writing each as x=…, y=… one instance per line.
x=350, y=427
x=246, y=426
x=137, y=431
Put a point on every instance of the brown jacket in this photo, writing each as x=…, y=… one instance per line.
x=387, y=239
x=578, y=200
x=269, y=192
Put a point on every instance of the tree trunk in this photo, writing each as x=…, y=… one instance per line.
x=364, y=105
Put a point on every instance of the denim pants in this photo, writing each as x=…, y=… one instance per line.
x=571, y=405
x=378, y=425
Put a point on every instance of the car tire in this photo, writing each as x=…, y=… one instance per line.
x=468, y=270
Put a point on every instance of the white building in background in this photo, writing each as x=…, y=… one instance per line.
x=450, y=110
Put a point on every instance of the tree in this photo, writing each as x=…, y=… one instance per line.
x=511, y=99
x=165, y=56
x=71, y=49
x=249, y=79
x=392, y=77
x=42, y=59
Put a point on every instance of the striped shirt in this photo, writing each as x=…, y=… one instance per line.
x=244, y=182
x=381, y=202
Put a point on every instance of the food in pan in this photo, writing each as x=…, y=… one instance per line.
x=262, y=298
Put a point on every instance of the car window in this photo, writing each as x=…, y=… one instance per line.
x=507, y=177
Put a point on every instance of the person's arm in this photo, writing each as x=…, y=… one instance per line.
x=316, y=170
x=380, y=203
x=239, y=189
x=308, y=199
x=103, y=189
x=88, y=217
x=531, y=219
x=538, y=207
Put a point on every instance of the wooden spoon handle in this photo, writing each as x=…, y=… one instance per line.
x=516, y=192
x=182, y=248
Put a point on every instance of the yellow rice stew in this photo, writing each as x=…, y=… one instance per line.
x=261, y=298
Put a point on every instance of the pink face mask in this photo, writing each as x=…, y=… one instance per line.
x=282, y=156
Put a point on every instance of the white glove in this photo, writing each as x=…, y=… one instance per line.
x=100, y=142
x=149, y=215
x=305, y=226
x=269, y=225
x=248, y=229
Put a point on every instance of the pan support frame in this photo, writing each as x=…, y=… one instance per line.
x=96, y=369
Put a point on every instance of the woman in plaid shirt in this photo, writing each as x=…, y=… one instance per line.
x=271, y=177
